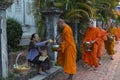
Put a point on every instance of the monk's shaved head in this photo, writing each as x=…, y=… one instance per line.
x=90, y=23
x=61, y=20
x=61, y=23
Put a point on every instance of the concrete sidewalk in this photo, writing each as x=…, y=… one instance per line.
x=117, y=72
x=108, y=70
x=54, y=71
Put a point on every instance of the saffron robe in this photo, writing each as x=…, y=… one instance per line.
x=101, y=44
x=67, y=56
x=109, y=45
x=91, y=57
x=118, y=32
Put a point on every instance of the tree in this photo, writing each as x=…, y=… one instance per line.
x=105, y=8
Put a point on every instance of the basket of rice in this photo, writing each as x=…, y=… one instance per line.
x=20, y=68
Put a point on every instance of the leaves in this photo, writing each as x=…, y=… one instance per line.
x=14, y=32
x=76, y=14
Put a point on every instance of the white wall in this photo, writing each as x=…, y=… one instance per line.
x=23, y=14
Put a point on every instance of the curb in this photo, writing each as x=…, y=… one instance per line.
x=54, y=71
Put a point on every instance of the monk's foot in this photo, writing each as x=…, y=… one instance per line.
x=95, y=68
x=86, y=66
x=90, y=69
x=70, y=77
x=99, y=62
x=111, y=58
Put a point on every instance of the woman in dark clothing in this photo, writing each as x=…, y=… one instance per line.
x=34, y=51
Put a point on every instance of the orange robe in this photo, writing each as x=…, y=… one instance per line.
x=91, y=57
x=103, y=38
x=67, y=56
x=118, y=32
x=109, y=45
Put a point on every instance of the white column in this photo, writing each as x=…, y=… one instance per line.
x=4, y=54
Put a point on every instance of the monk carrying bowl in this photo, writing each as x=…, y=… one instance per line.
x=110, y=38
x=88, y=46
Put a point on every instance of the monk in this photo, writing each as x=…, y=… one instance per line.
x=92, y=36
x=111, y=37
x=118, y=29
x=103, y=37
x=67, y=55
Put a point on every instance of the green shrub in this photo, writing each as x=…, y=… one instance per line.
x=14, y=33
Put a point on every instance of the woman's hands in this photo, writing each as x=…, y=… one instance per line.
x=49, y=41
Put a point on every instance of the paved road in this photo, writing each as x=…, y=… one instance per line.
x=117, y=72
x=108, y=70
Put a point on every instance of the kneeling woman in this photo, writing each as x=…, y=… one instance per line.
x=34, y=51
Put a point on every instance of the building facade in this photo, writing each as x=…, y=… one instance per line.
x=22, y=12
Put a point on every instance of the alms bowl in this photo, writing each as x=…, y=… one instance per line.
x=55, y=47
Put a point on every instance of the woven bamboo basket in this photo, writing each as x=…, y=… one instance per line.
x=20, y=68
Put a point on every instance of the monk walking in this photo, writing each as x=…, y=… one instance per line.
x=91, y=36
x=67, y=55
x=112, y=34
x=118, y=28
x=101, y=44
